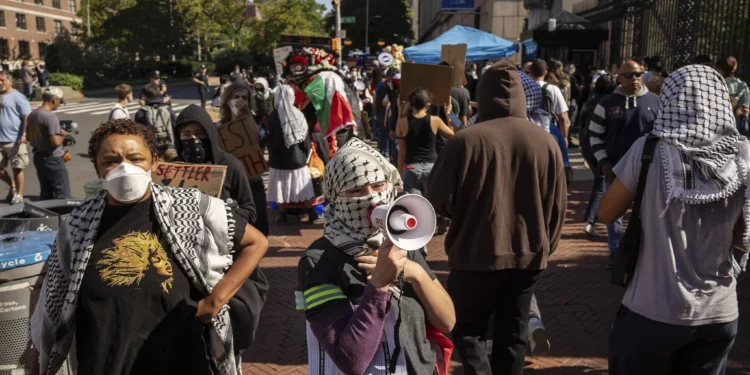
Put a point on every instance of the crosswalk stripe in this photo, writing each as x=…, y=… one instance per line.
x=130, y=107
x=99, y=107
x=66, y=108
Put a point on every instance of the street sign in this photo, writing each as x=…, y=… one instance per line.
x=457, y=5
x=341, y=34
x=385, y=59
x=348, y=19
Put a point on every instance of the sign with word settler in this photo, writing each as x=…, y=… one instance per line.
x=208, y=178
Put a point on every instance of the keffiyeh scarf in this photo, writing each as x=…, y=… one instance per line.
x=347, y=221
x=703, y=154
x=293, y=123
x=199, y=230
x=534, y=98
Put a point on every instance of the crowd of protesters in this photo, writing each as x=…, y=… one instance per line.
x=145, y=276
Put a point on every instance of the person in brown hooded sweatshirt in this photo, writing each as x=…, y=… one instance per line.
x=502, y=183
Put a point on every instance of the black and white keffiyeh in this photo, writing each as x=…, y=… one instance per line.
x=534, y=98
x=293, y=123
x=704, y=156
x=347, y=221
x=199, y=230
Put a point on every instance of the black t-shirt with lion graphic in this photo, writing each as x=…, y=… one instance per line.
x=136, y=307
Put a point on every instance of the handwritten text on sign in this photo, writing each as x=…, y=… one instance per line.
x=240, y=138
x=209, y=179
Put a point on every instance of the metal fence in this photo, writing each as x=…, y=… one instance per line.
x=680, y=30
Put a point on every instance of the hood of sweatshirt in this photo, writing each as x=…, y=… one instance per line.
x=500, y=93
x=194, y=113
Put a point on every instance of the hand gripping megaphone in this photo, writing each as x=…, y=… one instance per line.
x=409, y=222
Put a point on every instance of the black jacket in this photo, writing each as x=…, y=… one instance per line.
x=279, y=156
x=236, y=185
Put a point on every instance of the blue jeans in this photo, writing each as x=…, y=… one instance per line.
x=614, y=230
x=597, y=190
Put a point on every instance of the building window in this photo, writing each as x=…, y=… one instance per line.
x=39, y=2
x=58, y=27
x=23, y=49
x=4, y=51
x=20, y=21
x=72, y=5
x=42, y=50
x=40, y=26
x=2, y=18
x=56, y=4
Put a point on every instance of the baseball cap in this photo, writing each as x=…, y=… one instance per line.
x=154, y=74
x=53, y=91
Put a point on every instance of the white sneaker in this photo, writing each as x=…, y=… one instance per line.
x=16, y=199
x=590, y=230
x=538, y=337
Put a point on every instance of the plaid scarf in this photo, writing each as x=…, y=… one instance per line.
x=347, y=221
x=184, y=216
x=704, y=157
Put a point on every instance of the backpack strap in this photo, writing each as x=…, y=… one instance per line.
x=113, y=112
x=626, y=257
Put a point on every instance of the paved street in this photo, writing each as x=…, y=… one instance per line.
x=577, y=302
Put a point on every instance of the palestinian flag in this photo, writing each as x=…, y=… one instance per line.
x=327, y=94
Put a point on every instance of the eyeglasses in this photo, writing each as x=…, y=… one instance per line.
x=631, y=75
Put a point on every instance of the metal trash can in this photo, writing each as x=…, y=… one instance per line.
x=23, y=254
x=43, y=215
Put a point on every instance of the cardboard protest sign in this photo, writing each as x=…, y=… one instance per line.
x=279, y=56
x=215, y=113
x=207, y=178
x=455, y=54
x=435, y=78
x=240, y=138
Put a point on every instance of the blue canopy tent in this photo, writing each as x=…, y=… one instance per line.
x=481, y=46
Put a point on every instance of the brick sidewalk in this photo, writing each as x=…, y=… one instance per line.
x=577, y=302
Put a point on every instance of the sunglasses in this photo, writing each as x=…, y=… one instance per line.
x=631, y=75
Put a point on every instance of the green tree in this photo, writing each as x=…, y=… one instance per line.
x=65, y=55
x=280, y=17
x=390, y=20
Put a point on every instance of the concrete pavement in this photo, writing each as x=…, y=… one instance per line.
x=577, y=302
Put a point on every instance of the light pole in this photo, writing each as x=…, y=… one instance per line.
x=367, y=28
x=88, y=18
x=337, y=5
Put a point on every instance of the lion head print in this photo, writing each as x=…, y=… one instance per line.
x=133, y=255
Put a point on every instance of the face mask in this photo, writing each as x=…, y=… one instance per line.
x=196, y=151
x=127, y=183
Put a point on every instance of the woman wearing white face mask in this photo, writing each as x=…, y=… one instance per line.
x=235, y=104
x=141, y=273
x=359, y=323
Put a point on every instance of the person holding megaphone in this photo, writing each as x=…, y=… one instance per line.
x=370, y=305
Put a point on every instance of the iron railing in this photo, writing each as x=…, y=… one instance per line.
x=680, y=30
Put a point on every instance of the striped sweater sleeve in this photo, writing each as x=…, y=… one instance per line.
x=598, y=132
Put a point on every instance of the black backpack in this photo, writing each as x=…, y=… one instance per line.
x=548, y=102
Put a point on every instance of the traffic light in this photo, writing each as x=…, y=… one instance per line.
x=336, y=44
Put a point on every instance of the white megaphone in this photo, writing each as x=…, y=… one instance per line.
x=409, y=222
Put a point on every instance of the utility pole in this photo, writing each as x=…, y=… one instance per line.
x=199, y=46
x=88, y=18
x=337, y=6
x=367, y=27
